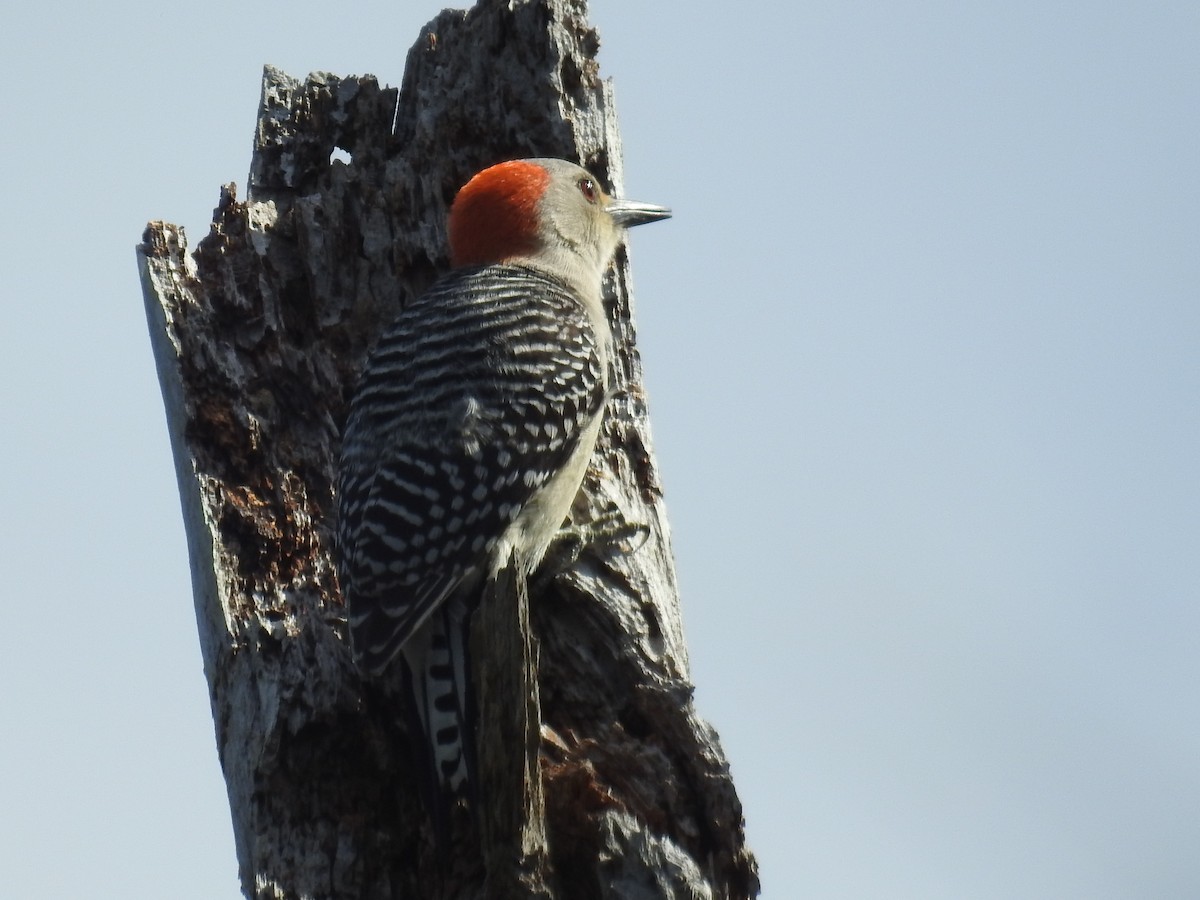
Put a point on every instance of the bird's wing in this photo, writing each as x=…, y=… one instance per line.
x=462, y=420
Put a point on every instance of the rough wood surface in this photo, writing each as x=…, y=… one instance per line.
x=601, y=780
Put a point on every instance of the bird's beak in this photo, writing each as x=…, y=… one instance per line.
x=628, y=213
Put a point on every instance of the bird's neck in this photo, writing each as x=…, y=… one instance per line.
x=583, y=276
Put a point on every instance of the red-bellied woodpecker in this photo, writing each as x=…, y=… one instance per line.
x=470, y=432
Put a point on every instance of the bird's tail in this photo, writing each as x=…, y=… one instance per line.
x=442, y=712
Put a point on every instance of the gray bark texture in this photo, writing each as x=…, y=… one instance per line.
x=599, y=778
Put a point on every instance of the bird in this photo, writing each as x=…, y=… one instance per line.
x=469, y=434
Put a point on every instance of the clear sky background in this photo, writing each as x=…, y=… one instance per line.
x=923, y=351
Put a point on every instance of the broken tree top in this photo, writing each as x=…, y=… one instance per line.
x=598, y=771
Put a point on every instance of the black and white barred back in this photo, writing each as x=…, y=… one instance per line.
x=472, y=400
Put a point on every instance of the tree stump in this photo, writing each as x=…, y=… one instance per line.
x=601, y=780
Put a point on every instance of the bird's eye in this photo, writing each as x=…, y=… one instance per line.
x=587, y=187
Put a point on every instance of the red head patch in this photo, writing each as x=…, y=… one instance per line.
x=495, y=215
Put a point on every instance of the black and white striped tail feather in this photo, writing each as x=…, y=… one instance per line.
x=441, y=712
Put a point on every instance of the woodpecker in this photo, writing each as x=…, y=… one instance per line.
x=469, y=435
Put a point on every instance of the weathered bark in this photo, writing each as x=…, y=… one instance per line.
x=600, y=779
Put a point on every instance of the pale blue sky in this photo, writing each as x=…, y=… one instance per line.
x=923, y=351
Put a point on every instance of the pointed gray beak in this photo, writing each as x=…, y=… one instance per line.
x=628, y=213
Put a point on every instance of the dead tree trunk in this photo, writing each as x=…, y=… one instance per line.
x=601, y=780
